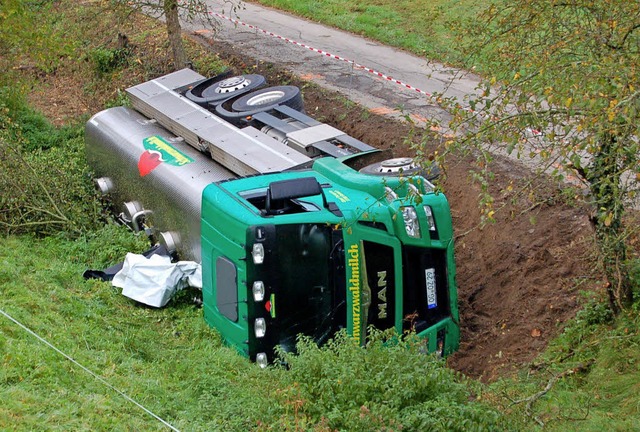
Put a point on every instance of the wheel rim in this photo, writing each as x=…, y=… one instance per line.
x=396, y=165
x=232, y=84
x=266, y=98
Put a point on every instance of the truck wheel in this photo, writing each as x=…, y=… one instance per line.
x=268, y=97
x=217, y=89
x=402, y=167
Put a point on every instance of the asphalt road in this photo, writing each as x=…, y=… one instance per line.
x=309, y=50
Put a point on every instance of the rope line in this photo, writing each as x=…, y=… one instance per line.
x=87, y=370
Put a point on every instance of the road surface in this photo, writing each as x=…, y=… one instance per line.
x=374, y=75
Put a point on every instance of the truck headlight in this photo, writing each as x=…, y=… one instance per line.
x=432, y=222
x=411, y=224
x=260, y=327
x=261, y=360
x=258, y=291
x=258, y=253
x=413, y=190
x=390, y=195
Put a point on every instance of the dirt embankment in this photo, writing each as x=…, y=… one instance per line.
x=517, y=278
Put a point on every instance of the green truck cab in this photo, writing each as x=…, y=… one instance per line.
x=274, y=268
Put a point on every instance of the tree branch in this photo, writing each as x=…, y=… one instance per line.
x=533, y=398
x=624, y=38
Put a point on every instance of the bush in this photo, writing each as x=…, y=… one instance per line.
x=389, y=385
x=107, y=60
x=45, y=186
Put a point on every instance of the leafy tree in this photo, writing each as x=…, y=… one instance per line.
x=173, y=11
x=564, y=91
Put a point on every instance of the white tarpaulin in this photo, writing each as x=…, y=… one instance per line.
x=154, y=280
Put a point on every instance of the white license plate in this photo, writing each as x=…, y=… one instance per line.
x=430, y=277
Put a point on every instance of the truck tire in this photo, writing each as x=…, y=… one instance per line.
x=220, y=88
x=259, y=101
x=269, y=97
x=405, y=167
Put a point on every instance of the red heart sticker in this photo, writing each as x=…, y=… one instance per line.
x=149, y=160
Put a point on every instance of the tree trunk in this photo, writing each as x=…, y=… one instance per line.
x=604, y=180
x=174, y=32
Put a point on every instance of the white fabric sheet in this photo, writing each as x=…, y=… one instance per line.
x=153, y=281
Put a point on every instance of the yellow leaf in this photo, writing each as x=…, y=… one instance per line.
x=516, y=76
x=608, y=220
x=568, y=102
x=612, y=115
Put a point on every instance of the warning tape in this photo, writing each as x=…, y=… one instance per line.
x=356, y=65
x=322, y=52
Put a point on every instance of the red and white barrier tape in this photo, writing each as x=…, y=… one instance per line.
x=324, y=53
x=336, y=57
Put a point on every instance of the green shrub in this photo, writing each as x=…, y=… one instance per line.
x=389, y=385
x=45, y=186
x=107, y=60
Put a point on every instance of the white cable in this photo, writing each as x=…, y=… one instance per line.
x=98, y=377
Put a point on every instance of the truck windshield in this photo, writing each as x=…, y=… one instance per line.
x=310, y=279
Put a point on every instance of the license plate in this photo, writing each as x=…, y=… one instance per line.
x=430, y=277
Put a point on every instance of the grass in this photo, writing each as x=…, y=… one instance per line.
x=428, y=29
x=591, y=372
x=168, y=360
x=171, y=363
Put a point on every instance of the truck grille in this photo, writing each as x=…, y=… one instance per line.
x=381, y=277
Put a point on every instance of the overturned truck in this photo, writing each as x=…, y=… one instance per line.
x=300, y=228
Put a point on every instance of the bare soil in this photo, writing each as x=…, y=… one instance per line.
x=519, y=278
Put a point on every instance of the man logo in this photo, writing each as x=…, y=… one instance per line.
x=382, y=294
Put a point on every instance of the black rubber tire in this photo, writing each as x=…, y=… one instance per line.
x=220, y=88
x=431, y=172
x=290, y=97
x=269, y=97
